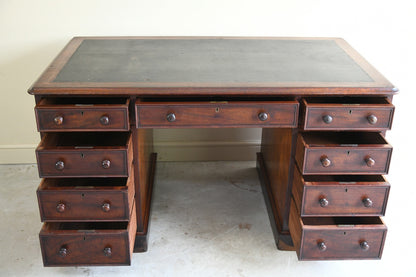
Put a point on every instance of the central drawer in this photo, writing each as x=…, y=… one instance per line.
x=216, y=114
x=84, y=155
x=343, y=153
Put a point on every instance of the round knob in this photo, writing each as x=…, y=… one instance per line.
x=106, y=207
x=263, y=116
x=367, y=202
x=370, y=161
x=327, y=118
x=325, y=161
x=105, y=120
x=106, y=164
x=58, y=120
x=372, y=119
x=323, y=202
x=60, y=208
x=364, y=245
x=322, y=246
x=63, y=251
x=107, y=251
x=171, y=117
x=60, y=165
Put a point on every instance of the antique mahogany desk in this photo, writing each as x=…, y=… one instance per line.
x=323, y=109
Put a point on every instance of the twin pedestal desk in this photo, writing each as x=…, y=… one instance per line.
x=324, y=112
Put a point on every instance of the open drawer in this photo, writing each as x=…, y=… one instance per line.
x=343, y=153
x=86, y=199
x=347, y=113
x=99, y=243
x=340, y=195
x=329, y=238
x=85, y=155
x=82, y=114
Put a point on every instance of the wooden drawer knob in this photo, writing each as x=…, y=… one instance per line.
x=60, y=208
x=263, y=116
x=171, y=117
x=323, y=202
x=370, y=161
x=372, y=119
x=364, y=245
x=106, y=164
x=106, y=207
x=107, y=251
x=59, y=165
x=325, y=161
x=63, y=251
x=327, y=118
x=105, y=120
x=322, y=246
x=367, y=202
x=58, y=120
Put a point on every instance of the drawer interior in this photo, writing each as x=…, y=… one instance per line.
x=88, y=183
x=348, y=100
x=343, y=138
x=82, y=101
x=85, y=226
x=342, y=221
x=344, y=178
x=85, y=139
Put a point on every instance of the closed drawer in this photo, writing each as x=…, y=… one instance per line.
x=343, y=153
x=82, y=114
x=84, y=154
x=76, y=244
x=86, y=199
x=216, y=114
x=347, y=113
x=329, y=238
x=340, y=195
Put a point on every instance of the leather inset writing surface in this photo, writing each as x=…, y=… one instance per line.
x=229, y=61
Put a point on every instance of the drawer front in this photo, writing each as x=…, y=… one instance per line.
x=326, y=241
x=343, y=153
x=85, y=200
x=346, y=160
x=348, y=117
x=111, y=245
x=83, y=163
x=62, y=118
x=218, y=114
x=320, y=198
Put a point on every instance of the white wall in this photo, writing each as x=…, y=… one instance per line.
x=33, y=32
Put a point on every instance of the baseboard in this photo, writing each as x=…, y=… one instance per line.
x=207, y=150
x=167, y=151
x=17, y=154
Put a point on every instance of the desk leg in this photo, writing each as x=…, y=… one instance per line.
x=144, y=170
x=275, y=164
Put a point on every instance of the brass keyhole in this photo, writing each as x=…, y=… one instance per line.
x=217, y=109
